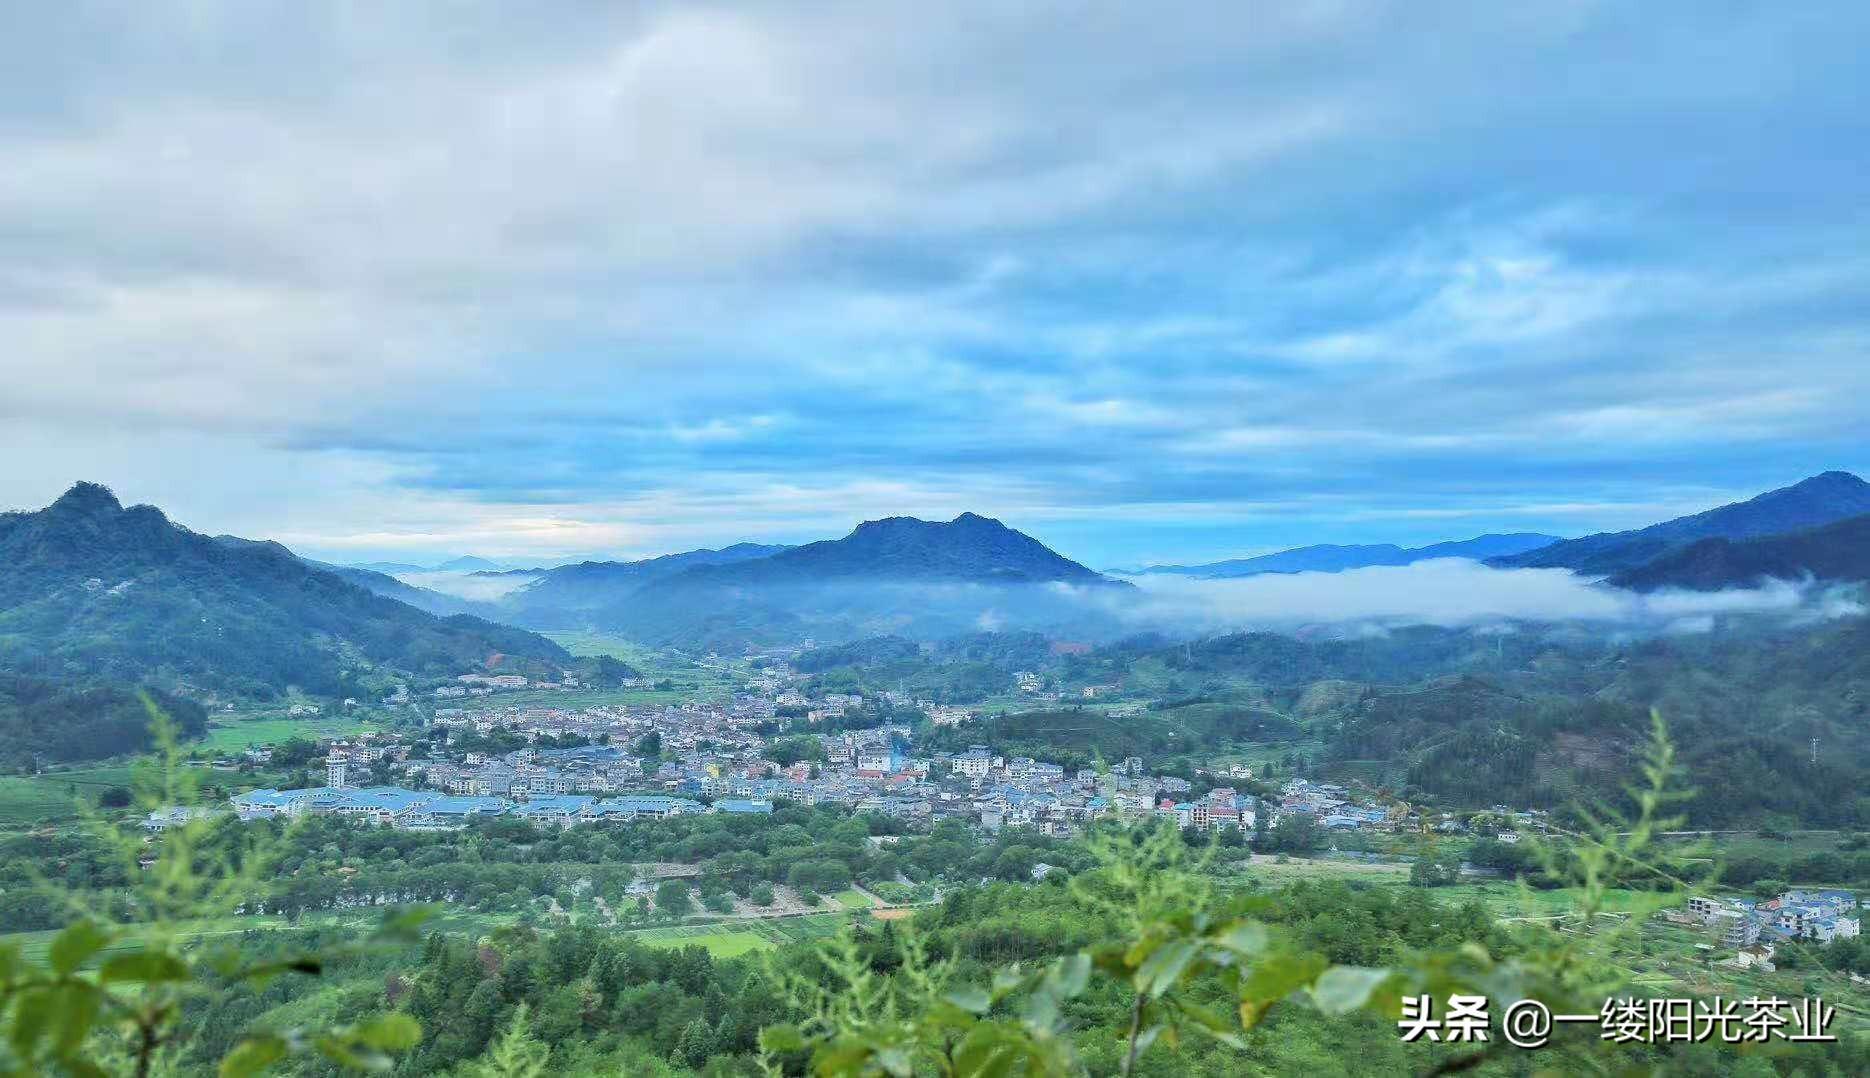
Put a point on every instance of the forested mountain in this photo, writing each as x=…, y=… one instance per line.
x=92, y=590
x=1822, y=499
x=1329, y=558
x=968, y=549
x=438, y=603
x=45, y=721
x=566, y=595
x=898, y=575
x=1838, y=552
x=1541, y=715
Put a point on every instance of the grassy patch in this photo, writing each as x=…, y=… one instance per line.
x=28, y=802
x=722, y=941
x=238, y=734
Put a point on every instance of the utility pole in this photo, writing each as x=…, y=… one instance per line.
x=1814, y=752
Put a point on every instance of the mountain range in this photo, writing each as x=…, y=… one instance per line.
x=1835, y=552
x=897, y=575
x=94, y=591
x=1330, y=558
x=1811, y=503
x=90, y=589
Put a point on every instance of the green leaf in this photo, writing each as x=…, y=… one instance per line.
x=143, y=967
x=1243, y=937
x=31, y=1015
x=987, y=1052
x=782, y=1040
x=1343, y=989
x=253, y=1055
x=75, y=1014
x=73, y=946
x=971, y=999
x=1164, y=966
x=1277, y=976
x=1041, y=1010
x=345, y=1054
x=404, y=925
x=393, y=1032
x=260, y=974
x=1071, y=975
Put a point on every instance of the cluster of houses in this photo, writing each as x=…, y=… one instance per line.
x=1753, y=927
x=718, y=752
x=487, y=684
x=430, y=810
x=714, y=753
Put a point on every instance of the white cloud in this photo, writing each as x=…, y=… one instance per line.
x=1452, y=592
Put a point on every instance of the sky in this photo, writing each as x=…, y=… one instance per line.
x=1155, y=283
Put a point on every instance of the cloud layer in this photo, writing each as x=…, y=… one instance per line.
x=1157, y=282
x=1458, y=593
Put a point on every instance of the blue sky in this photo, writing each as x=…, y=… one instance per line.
x=1153, y=282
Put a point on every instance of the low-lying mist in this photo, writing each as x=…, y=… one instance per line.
x=1453, y=593
x=478, y=587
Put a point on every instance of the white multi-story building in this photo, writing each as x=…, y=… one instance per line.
x=974, y=763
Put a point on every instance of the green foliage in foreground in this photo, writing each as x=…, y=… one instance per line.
x=1142, y=962
x=110, y=995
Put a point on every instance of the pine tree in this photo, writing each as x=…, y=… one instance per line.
x=696, y=1043
x=517, y=1054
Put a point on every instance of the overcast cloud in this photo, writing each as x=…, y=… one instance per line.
x=1153, y=282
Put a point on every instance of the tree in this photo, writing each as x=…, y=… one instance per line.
x=649, y=746
x=696, y=1043
x=1436, y=869
x=110, y=997
x=517, y=1054
x=672, y=899
x=763, y=895
x=790, y=750
x=1296, y=832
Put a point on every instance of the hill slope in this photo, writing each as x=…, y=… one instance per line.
x=897, y=575
x=1836, y=552
x=1811, y=503
x=969, y=548
x=1329, y=558
x=90, y=589
x=566, y=595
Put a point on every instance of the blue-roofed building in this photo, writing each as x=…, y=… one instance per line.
x=562, y=810
x=743, y=806
x=453, y=813
x=655, y=805
x=266, y=803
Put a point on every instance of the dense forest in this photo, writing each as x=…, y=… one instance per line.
x=54, y=722
x=91, y=589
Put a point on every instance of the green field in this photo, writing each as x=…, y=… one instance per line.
x=58, y=795
x=28, y=802
x=722, y=941
x=653, y=665
x=232, y=734
x=852, y=900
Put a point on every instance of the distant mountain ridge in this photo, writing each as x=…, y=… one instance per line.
x=1332, y=558
x=968, y=548
x=1811, y=503
x=91, y=589
x=895, y=575
x=569, y=593
x=1836, y=552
